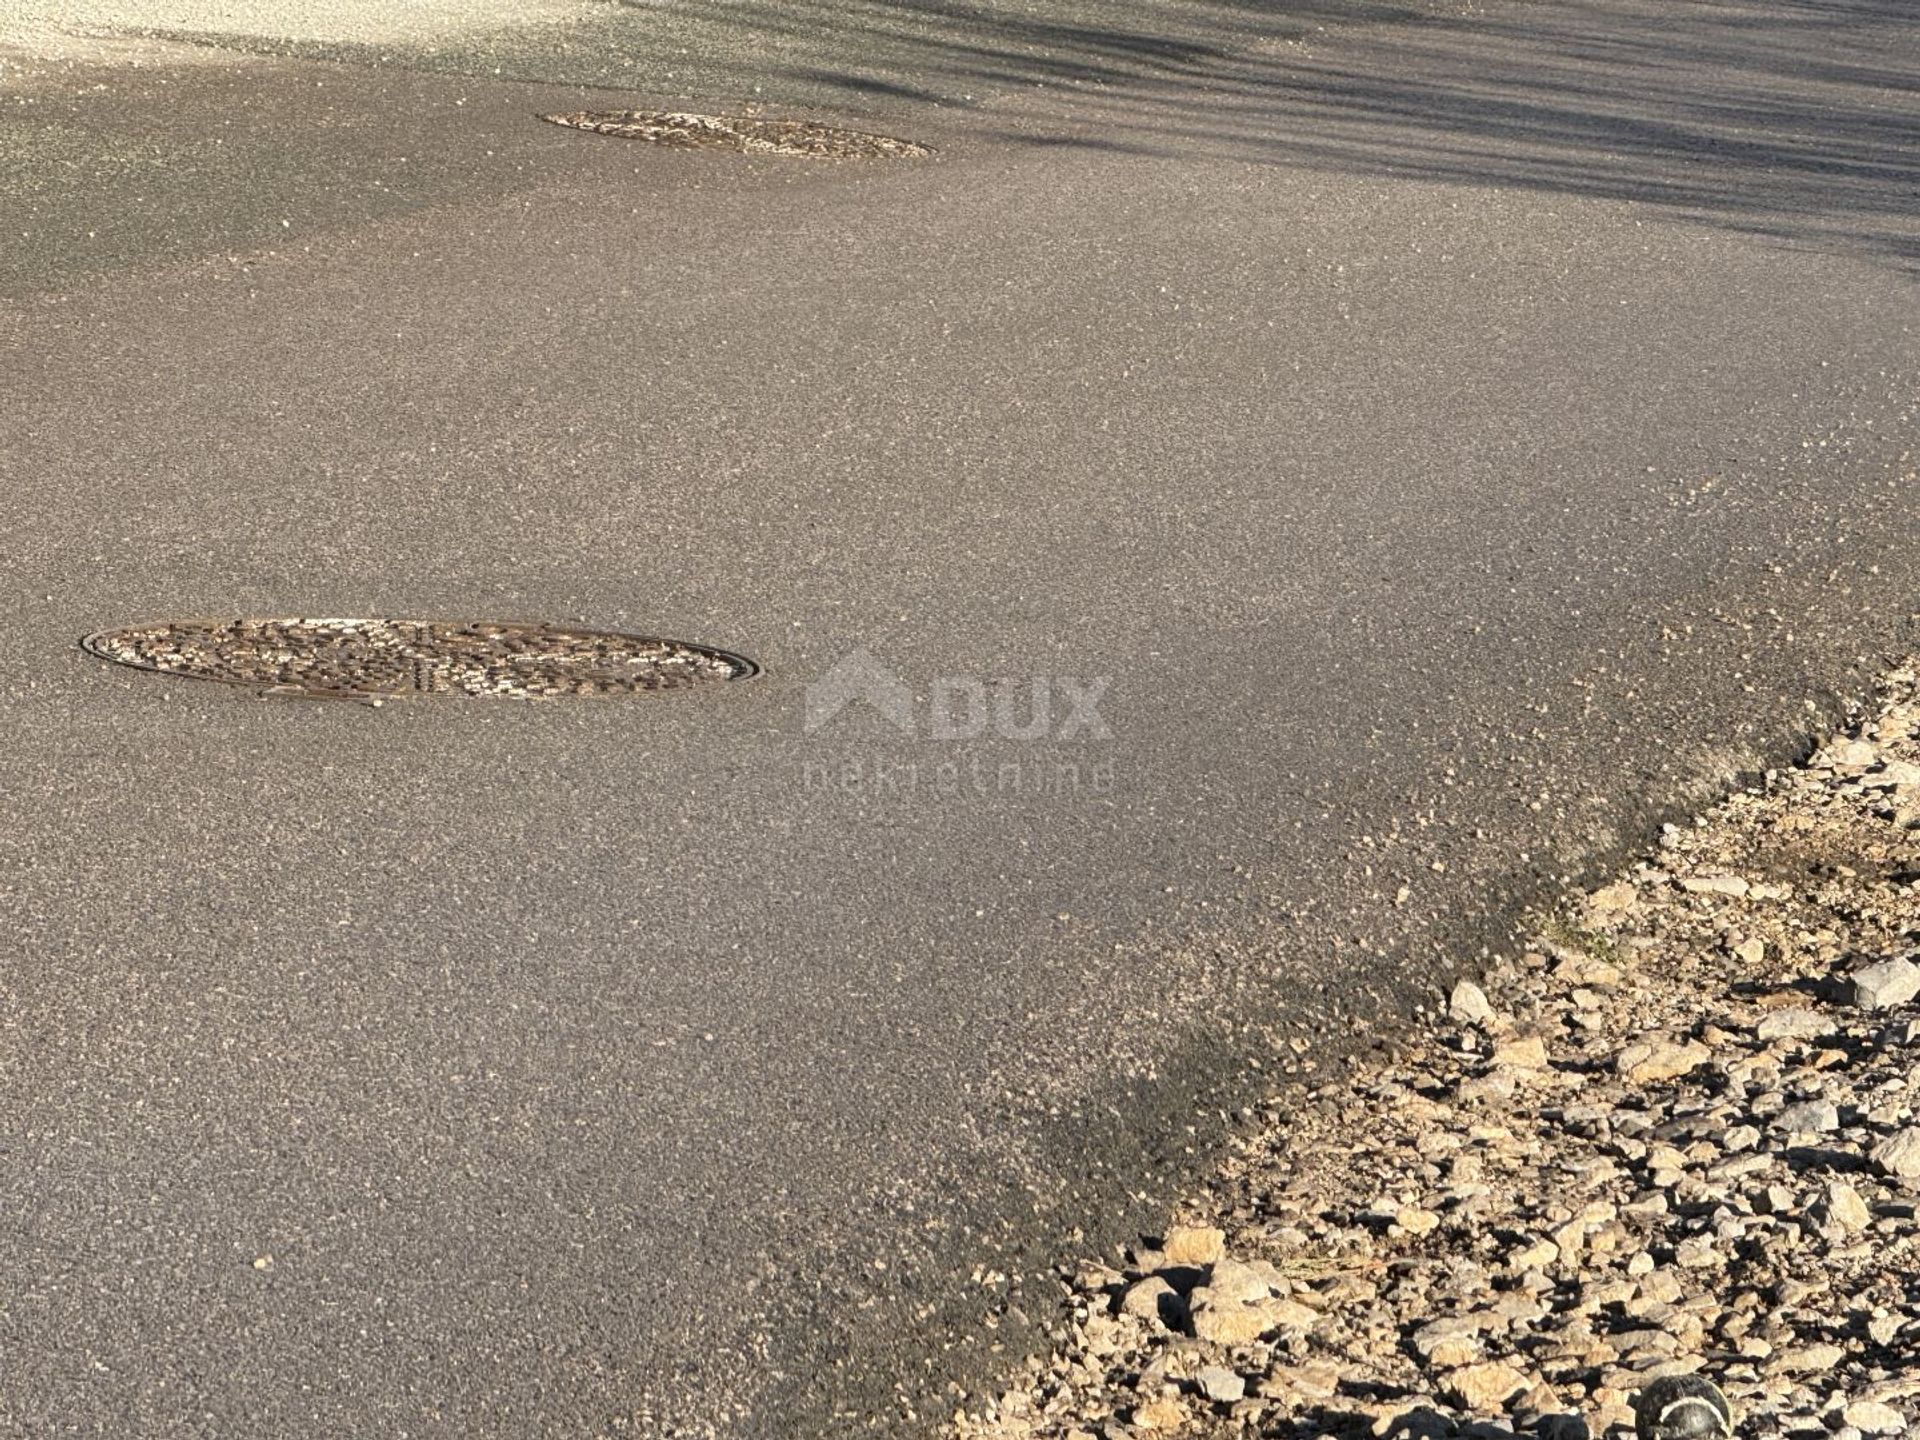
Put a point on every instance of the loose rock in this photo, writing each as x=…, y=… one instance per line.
x=1194, y=1245
x=1873, y=1417
x=1899, y=1156
x=1468, y=1004
x=1886, y=984
x=1487, y=1387
x=1648, y=1062
x=1221, y=1385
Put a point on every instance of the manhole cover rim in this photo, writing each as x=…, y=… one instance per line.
x=96, y=643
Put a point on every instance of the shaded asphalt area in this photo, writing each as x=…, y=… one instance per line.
x=1793, y=120
x=1432, y=449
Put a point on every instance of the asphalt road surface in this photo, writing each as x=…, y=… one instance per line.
x=1399, y=461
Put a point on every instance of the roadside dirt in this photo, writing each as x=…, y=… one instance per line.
x=1677, y=1137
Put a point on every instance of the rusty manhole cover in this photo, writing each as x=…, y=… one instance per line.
x=742, y=132
x=390, y=659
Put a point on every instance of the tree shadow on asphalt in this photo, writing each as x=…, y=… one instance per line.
x=953, y=46
x=1795, y=119
x=940, y=51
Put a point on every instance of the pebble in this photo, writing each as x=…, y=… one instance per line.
x=1821, y=1358
x=1415, y=1221
x=1318, y=1381
x=1809, y=1117
x=1874, y=1417
x=1649, y=1062
x=1521, y=1052
x=1899, y=1154
x=1845, y=1208
x=1697, y=1253
x=1149, y=1299
x=1231, y=1322
x=1795, y=1024
x=1221, y=1385
x=1468, y=1005
x=1896, y=775
x=1486, y=1387
x=1233, y=1282
x=1447, y=1343
x=1163, y=1414
x=1729, y=885
x=1613, y=897
x=1886, y=984
x=1194, y=1245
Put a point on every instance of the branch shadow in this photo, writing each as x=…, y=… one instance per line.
x=1793, y=119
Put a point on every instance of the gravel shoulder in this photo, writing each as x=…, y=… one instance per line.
x=1677, y=1135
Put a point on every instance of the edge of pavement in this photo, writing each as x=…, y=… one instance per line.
x=1675, y=1138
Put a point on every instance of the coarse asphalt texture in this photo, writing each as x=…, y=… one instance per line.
x=1380, y=459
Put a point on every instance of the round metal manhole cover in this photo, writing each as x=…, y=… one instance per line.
x=392, y=659
x=740, y=132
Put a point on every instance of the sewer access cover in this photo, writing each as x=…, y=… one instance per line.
x=391, y=659
x=742, y=132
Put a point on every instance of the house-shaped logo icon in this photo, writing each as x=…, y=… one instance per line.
x=859, y=676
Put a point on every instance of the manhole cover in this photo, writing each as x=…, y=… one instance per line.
x=737, y=132
x=375, y=659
